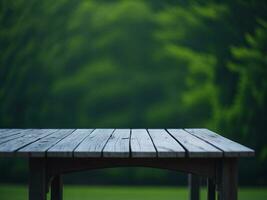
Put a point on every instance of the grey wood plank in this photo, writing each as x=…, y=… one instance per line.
x=229, y=147
x=141, y=144
x=93, y=145
x=2, y=130
x=27, y=137
x=39, y=148
x=11, y=132
x=195, y=147
x=8, y=130
x=6, y=139
x=65, y=147
x=165, y=145
x=118, y=144
x=14, y=135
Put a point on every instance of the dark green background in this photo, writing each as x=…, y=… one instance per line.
x=131, y=63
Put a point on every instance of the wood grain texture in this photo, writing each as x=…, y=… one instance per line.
x=66, y=146
x=141, y=144
x=194, y=146
x=12, y=135
x=9, y=132
x=39, y=148
x=3, y=131
x=93, y=145
x=229, y=147
x=165, y=145
x=27, y=137
x=121, y=143
x=118, y=144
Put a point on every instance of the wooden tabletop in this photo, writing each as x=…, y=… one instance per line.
x=119, y=143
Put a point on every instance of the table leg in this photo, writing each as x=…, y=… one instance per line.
x=211, y=189
x=228, y=180
x=57, y=188
x=37, y=179
x=193, y=187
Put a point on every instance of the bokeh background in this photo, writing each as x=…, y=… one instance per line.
x=135, y=63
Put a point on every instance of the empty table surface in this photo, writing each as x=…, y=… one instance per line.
x=119, y=143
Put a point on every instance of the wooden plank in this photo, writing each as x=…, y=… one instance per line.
x=118, y=144
x=66, y=146
x=229, y=147
x=14, y=135
x=194, y=146
x=39, y=148
x=6, y=139
x=93, y=145
x=2, y=130
x=11, y=132
x=165, y=145
x=27, y=137
x=141, y=144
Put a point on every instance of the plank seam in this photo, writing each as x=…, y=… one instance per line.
x=186, y=151
x=58, y=142
x=152, y=143
x=102, y=151
x=73, y=152
x=207, y=142
x=35, y=140
x=10, y=140
x=130, y=146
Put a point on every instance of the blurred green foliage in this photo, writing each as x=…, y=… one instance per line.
x=137, y=63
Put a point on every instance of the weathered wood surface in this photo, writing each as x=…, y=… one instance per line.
x=39, y=148
x=121, y=143
x=118, y=144
x=26, y=138
x=194, y=146
x=8, y=132
x=229, y=147
x=11, y=135
x=165, y=145
x=93, y=145
x=4, y=130
x=141, y=144
x=66, y=146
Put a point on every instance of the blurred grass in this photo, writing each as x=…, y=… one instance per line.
x=12, y=192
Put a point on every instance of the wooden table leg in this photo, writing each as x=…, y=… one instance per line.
x=211, y=189
x=57, y=188
x=228, y=180
x=37, y=179
x=193, y=187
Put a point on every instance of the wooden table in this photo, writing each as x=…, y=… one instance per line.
x=53, y=152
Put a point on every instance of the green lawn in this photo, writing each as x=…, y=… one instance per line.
x=10, y=192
